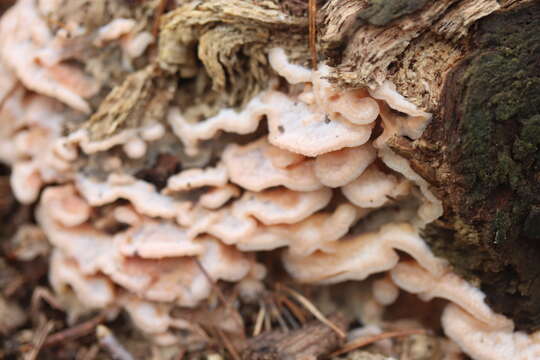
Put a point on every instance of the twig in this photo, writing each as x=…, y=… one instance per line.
x=312, y=20
x=213, y=283
x=366, y=340
x=75, y=332
x=295, y=309
x=275, y=311
x=290, y=318
x=237, y=317
x=267, y=321
x=313, y=309
x=228, y=344
x=107, y=340
x=42, y=333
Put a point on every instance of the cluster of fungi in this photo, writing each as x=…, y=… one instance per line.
x=301, y=170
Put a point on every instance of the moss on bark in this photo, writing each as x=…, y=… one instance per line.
x=488, y=136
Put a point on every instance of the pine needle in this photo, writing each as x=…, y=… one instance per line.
x=295, y=309
x=312, y=20
x=313, y=309
x=228, y=344
x=277, y=314
x=366, y=340
x=260, y=320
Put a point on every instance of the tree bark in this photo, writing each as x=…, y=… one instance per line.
x=474, y=65
x=481, y=156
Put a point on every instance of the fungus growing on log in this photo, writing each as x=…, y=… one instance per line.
x=181, y=160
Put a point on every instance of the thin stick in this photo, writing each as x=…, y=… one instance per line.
x=236, y=315
x=313, y=309
x=213, y=283
x=312, y=20
x=287, y=315
x=267, y=321
x=295, y=309
x=75, y=332
x=366, y=340
x=42, y=333
x=277, y=314
x=228, y=344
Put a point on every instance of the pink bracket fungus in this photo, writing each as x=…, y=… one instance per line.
x=359, y=256
x=25, y=36
x=373, y=188
x=338, y=168
x=280, y=205
x=245, y=164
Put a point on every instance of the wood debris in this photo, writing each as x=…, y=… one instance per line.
x=312, y=340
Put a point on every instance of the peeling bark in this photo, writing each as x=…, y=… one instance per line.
x=371, y=52
x=141, y=99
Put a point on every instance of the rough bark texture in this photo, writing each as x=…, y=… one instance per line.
x=313, y=340
x=141, y=99
x=231, y=39
x=474, y=65
x=481, y=155
x=367, y=39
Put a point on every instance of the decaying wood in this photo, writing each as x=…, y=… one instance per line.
x=309, y=342
x=469, y=63
x=141, y=99
x=480, y=154
x=231, y=39
x=370, y=45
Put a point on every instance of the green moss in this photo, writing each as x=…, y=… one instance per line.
x=532, y=223
x=382, y=12
x=492, y=137
x=501, y=226
x=500, y=127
